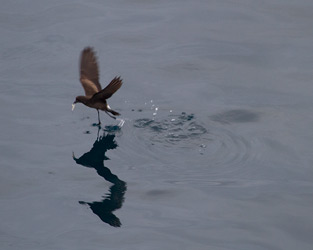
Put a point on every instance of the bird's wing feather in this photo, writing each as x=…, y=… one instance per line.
x=89, y=87
x=89, y=73
x=109, y=90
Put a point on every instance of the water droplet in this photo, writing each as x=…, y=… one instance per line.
x=121, y=123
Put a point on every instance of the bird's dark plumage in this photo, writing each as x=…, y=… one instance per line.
x=109, y=90
x=95, y=96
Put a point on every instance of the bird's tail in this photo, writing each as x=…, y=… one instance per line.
x=113, y=112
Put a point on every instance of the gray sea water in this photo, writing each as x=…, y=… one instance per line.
x=214, y=146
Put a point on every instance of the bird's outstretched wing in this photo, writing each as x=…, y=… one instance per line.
x=109, y=90
x=89, y=73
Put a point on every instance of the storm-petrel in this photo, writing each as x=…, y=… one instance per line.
x=95, y=97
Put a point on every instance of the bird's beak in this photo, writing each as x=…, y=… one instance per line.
x=73, y=106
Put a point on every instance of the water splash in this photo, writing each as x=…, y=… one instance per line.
x=184, y=135
x=121, y=122
x=172, y=129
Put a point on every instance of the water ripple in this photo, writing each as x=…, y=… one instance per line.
x=217, y=146
x=172, y=129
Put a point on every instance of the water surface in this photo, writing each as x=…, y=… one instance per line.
x=213, y=149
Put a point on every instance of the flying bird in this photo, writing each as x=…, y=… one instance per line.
x=95, y=97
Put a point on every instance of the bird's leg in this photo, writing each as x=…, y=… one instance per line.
x=98, y=134
x=110, y=115
x=98, y=118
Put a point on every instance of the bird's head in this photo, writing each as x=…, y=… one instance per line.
x=82, y=99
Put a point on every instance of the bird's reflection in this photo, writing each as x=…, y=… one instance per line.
x=114, y=199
